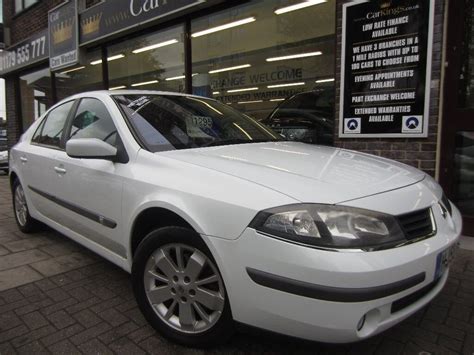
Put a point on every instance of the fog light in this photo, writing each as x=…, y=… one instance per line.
x=361, y=323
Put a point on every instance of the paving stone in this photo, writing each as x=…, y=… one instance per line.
x=27, y=244
x=141, y=334
x=90, y=333
x=11, y=261
x=450, y=343
x=9, y=320
x=61, y=319
x=126, y=347
x=34, y=320
x=87, y=318
x=29, y=290
x=95, y=347
x=61, y=264
x=58, y=306
x=33, y=335
x=33, y=348
x=13, y=333
x=60, y=249
x=113, y=317
x=4, y=251
x=468, y=346
x=118, y=332
x=62, y=334
x=17, y=276
x=64, y=347
x=6, y=349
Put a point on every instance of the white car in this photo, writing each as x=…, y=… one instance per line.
x=220, y=221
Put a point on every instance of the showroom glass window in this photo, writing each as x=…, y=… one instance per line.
x=86, y=76
x=36, y=96
x=151, y=62
x=265, y=54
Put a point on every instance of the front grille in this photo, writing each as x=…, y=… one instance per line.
x=417, y=224
x=412, y=298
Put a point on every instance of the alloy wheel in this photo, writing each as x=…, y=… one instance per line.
x=184, y=288
x=21, y=209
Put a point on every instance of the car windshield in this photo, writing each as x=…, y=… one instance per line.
x=168, y=122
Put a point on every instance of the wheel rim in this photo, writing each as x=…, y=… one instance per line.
x=21, y=209
x=184, y=288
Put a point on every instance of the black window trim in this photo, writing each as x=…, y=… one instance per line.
x=61, y=146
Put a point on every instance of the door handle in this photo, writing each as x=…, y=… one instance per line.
x=59, y=170
x=23, y=160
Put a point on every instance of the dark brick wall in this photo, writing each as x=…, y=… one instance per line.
x=30, y=21
x=419, y=152
x=13, y=119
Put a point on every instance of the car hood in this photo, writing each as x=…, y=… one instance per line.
x=307, y=173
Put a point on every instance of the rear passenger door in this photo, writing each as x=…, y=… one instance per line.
x=93, y=197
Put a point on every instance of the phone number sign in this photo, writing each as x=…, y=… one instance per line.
x=28, y=52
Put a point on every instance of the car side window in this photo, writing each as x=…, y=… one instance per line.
x=49, y=132
x=93, y=120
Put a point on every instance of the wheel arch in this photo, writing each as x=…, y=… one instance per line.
x=153, y=217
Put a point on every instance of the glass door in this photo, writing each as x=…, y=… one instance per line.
x=457, y=148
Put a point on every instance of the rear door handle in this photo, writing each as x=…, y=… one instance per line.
x=59, y=170
x=24, y=160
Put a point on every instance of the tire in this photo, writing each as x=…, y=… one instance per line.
x=25, y=222
x=177, y=312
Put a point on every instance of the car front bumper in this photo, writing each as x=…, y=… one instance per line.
x=324, y=295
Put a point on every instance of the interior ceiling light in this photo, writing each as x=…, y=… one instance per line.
x=145, y=83
x=324, y=80
x=71, y=70
x=284, y=85
x=249, y=102
x=179, y=77
x=230, y=68
x=109, y=59
x=224, y=27
x=294, y=56
x=240, y=90
x=299, y=6
x=154, y=46
x=118, y=87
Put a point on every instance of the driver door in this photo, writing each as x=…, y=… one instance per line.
x=93, y=196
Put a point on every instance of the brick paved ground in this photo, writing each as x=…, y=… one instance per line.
x=57, y=297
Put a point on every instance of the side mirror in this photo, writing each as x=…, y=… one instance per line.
x=91, y=148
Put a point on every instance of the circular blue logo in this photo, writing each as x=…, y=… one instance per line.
x=352, y=124
x=412, y=123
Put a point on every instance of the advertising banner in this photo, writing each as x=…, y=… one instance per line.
x=110, y=17
x=23, y=54
x=63, y=36
x=386, y=68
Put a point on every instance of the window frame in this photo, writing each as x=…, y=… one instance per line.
x=23, y=7
x=62, y=143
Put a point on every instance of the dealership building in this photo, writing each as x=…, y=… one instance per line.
x=394, y=78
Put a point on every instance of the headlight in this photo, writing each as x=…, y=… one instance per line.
x=330, y=226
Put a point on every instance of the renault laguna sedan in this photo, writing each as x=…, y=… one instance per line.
x=220, y=221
